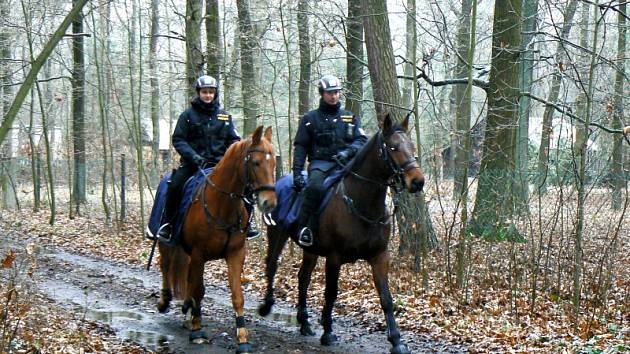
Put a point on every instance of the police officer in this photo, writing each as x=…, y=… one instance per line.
x=203, y=133
x=328, y=136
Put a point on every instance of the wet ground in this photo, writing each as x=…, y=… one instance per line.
x=124, y=297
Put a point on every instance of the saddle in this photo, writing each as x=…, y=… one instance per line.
x=290, y=202
x=188, y=196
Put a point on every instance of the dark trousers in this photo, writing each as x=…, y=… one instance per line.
x=174, y=190
x=313, y=194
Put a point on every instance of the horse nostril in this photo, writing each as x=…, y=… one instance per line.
x=417, y=185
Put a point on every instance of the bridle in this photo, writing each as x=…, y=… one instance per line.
x=249, y=189
x=384, y=152
x=396, y=178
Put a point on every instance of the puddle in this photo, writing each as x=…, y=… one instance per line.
x=127, y=325
x=152, y=340
x=291, y=319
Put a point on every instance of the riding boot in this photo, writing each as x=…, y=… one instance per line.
x=307, y=220
x=168, y=214
x=252, y=231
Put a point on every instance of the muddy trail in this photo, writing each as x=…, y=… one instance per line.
x=123, y=297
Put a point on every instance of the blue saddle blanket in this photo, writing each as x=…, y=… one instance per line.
x=289, y=204
x=188, y=195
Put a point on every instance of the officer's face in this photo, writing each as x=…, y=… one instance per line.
x=207, y=94
x=331, y=97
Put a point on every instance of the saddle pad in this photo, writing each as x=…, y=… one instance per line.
x=289, y=204
x=188, y=194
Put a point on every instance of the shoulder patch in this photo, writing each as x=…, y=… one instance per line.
x=223, y=116
x=347, y=119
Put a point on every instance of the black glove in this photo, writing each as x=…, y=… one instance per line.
x=299, y=182
x=199, y=160
x=342, y=157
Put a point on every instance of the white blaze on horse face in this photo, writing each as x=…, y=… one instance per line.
x=268, y=157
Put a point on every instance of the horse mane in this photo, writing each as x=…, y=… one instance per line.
x=235, y=149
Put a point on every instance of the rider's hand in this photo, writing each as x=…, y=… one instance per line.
x=199, y=160
x=299, y=182
x=342, y=157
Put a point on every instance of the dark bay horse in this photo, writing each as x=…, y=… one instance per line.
x=215, y=228
x=354, y=225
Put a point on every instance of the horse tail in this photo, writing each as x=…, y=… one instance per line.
x=178, y=263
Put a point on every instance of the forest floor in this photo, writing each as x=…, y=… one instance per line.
x=490, y=316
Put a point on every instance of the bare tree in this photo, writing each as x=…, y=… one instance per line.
x=194, y=52
x=248, y=79
x=354, y=57
x=214, y=47
x=78, y=110
x=155, y=89
x=618, y=180
x=495, y=193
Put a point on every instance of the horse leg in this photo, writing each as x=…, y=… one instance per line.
x=332, y=277
x=234, y=260
x=194, y=295
x=380, y=268
x=309, y=261
x=166, y=295
x=276, y=239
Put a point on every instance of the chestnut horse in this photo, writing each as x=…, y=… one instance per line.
x=215, y=228
x=355, y=224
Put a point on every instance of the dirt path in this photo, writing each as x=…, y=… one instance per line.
x=124, y=296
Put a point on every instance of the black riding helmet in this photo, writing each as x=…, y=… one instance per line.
x=207, y=81
x=329, y=83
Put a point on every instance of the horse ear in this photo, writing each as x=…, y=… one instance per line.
x=257, y=135
x=405, y=123
x=387, y=123
x=269, y=133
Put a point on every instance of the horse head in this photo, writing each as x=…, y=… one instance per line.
x=400, y=151
x=260, y=168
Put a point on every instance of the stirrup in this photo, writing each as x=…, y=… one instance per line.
x=305, y=237
x=252, y=234
x=163, y=229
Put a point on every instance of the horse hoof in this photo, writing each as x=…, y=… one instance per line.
x=244, y=348
x=162, y=306
x=306, y=330
x=198, y=337
x=400, y=349
x=328, y=339
x=265, y=308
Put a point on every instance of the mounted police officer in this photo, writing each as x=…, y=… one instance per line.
x=203, y=133
x=328, y=136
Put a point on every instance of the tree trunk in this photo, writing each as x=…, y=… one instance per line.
x=495, y=193
x=214, y=47
x=194, y=53
x=461, y=156
x=304, y=88
x=463, y=131
x=78, y=111
x=304, y=85
x=155, y=90
x=618, y=178
x=380, y=53
x=354, y=58
x=530, y=9
x=581, y=178
x=7, y=165
x=413, y=210
x=101, y=93
x=543, y=152
x=248, y=78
